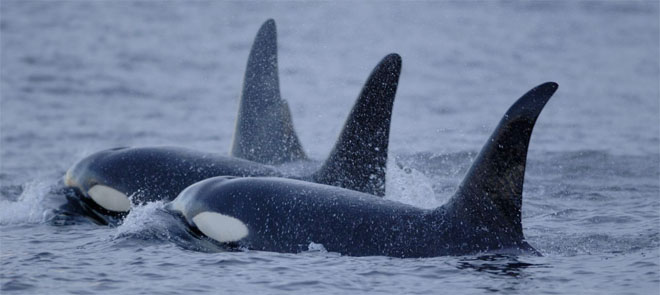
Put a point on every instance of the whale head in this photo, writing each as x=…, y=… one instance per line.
x=110, y=181
x=96, y=182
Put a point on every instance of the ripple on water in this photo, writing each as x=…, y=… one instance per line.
x=604, y=219
x=16, y=285
x=293, y=286
x=41, y=257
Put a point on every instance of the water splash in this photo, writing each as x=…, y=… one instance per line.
x=410, y=186
x=145, y=220
x=151, y=223
x=314, y=247
x=29, y=207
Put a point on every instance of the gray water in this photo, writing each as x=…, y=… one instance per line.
x=81, y=76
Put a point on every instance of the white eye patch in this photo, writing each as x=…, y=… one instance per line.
x=109, y=198
x=222, y=228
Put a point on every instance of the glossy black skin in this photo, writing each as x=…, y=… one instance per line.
x=157, y=173
x=284, y=215
x=150, y=174
x=362, y=144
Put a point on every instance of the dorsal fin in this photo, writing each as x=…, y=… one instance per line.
x=358, y=160
x=264, y=129
x=494, y=183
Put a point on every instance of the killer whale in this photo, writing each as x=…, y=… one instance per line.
x=285, y=215
x=103, y=182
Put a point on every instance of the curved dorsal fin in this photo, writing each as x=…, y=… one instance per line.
x=358, y=160
x=264, y=130
x=494, y=183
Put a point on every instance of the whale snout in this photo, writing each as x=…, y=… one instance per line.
x=85, y=177
x=68, y=178
x=200, y=207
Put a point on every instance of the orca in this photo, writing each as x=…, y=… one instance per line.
x=105, y=184
x=286, y=215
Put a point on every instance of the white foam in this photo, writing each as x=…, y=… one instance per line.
x=140, y=218
x=110, y=198
x=29, y=207
x=222, y=228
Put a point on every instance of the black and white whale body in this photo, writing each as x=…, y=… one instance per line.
x=104, y=181
x=285, y=215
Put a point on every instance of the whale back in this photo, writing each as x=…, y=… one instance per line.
x=490, y=195
x=359, y=157
x=264, y=129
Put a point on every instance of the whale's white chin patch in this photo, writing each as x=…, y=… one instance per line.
x=222, y=228
x=109, y=198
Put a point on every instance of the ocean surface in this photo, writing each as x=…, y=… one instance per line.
x=80, y=76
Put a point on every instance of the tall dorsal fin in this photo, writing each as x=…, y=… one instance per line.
x=264, y=129
x=494, y=183
x=358, y=160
